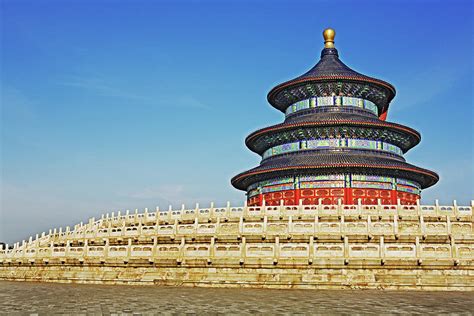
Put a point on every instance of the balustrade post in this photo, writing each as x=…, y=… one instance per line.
x=311, y=249
x=437, y=206
x=382, y=248
x=212, y=250
x=168, y=215
x=243, y=250
x=456, y=210
x=369, y=226
x=454, y=254
x=246, y=209
x=395, y=226
x=105, y=252
x=346, y=249
x=227, y=211
x=67, y=248
x=316, y=226
x=241, y=226
x=175, y=228
x=129, y=249
x=211, y=211
x=422, y=226
x=448, y=225
x=86, y=248
x=155, y=247
x=341, y=228
x=196, y=224
x=417, y=249
x=264, y=233
x=181, y=250
x=290, y=225
x=276, y=251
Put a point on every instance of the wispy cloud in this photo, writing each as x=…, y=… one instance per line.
x=107, y=87
x=102, y=87
x=422, y=85
x=16, y=104
x=168, y=193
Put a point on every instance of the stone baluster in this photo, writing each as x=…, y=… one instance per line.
x=418, y=250
x=86, y=248
x=369, y=226
x=241, y=226
x=311, y=249
x=105, y=252
x=341, y=225
x=346, y=250
x=395, y=226
x=243, y=251
x=448, y=225
x=437, y=210
x=175, y=228
x=246, y=209
x=422, y=226
x=195, y=227
x=227, y=212
x=456, y=209
x=170, y=210
x=181, y=251
x=211, y=210
x=264, y=232
x=276, y=250
x=289, y=229
x=316, y=226
x=154, y=249
x=129, y=250
x=211, y=250
x=382, y=250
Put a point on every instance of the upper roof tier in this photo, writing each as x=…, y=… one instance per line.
x=330, y=76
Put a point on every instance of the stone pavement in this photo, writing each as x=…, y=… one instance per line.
x=26, y=298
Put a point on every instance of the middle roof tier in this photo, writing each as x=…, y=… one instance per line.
x=332, y=124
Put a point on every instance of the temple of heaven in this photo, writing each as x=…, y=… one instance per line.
x=335, y=145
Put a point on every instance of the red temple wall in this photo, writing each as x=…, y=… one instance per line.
x=333, y=195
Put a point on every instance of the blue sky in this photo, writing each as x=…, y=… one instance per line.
x=115, y=105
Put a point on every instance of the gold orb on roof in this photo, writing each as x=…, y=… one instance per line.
x=329, y=35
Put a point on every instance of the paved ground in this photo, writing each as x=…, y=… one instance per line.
x=25, y=298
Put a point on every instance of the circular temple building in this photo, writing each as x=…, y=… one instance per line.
x=335, y=145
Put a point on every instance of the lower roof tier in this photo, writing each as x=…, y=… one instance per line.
x=333, y=127
x=333, y=162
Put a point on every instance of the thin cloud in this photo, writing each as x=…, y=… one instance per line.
x=420, y=87
x=104, y=87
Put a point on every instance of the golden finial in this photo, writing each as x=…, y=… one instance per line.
x=329, y=35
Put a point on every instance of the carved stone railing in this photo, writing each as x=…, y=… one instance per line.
x=286, y=233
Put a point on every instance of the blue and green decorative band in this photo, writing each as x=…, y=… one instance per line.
x=332, y=143
x=332, y=101
x=334, y=181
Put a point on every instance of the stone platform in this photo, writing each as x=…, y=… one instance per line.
x=428, y=247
